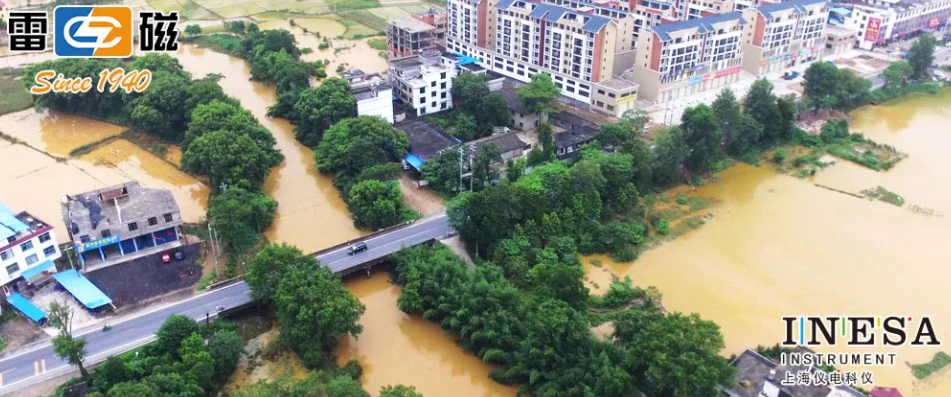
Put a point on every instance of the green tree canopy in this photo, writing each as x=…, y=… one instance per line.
x=897, y=72
x=228, y=158
x=921, y=54
x=355, y=144
x=240, y=216
x=469, y=89
x=540, y=94
x=376, y=204
x=319, y=108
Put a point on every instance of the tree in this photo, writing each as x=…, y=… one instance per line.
x=192, y=30
x=540, y=94
x=355, y=144
x=399, y=391
x=319, y=108
x=897, y=72
x=820, y=84
x=173, y=332
x=443, y=172
x=678, y=354
x=760, y=104
x=547, y=140
x=612, y=135
x=555, y=279
x=490, y=111
x=65, y=345
x=469, y=89
x=726, y=109
x=635, y=121
x=376, y=204
x=744, y=135
x=236, y=27
x=702, y=136
x=641, y=158
x=670, y=152
x=225, y=347
x=240, y=216
x=482, y=171
x=834, y=130
x=228, y=158
x=466, y=128
x=215, y=115
x=921, y=55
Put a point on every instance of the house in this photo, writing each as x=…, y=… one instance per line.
x=885, y=392
x=508, y=143
x=783, y=35
x=408, y=36
x=424, y=80
x=426, y=141
x=373, y=95
x=574, y=132
x=519, y=117
x=109, y=223
x=758, y=376
x=839, y=39
x=28, y=249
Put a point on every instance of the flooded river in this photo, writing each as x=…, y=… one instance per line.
x=782, y=246
x=310, y=213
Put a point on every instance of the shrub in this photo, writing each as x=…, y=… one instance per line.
x=681, y=200
x=779, y=156
x=663, y=226
x=324, y=46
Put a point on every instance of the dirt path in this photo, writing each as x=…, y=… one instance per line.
x=423, y=200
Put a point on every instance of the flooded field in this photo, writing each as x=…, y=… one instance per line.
x=781, y=246
x=56, y=133
x=398, y=348
x=310, y=213
x=37, y=172
x=356, y=54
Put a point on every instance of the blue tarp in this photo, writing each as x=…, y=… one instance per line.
x=414, y=161
x=840, y=10
x=464, y=60
x=26, y=307
x=82, y=289
x=9, y=224
x=33, y=271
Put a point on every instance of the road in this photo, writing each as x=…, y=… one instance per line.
x=37, y=363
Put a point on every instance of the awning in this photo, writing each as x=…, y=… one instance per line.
x=414, y=161
x=26, y=307
x=464, y=59
x=36, y=270
x=82, y=289
x=840, y=10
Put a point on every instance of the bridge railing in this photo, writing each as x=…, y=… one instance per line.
x=366, y=237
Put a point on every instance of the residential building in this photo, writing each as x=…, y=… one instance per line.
x=683, y=58
x=615, y=96
x=373, y=94
x=28, y=249
x=426, y=141
x=424, y=80
x=783, y=35
x=879, y=22
x=758, y=376
x=519, y=117
x=839, y=39
x=107, y=224
x=438, y=19
x=509, y=144
x=579, y=44
x=408, y=36
x=572, y=131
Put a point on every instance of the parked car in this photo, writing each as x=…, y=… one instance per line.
x=790, y=75
x=178, y=255
x=356, y=248
x=166, y=258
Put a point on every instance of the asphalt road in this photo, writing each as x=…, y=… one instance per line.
x=37, y=363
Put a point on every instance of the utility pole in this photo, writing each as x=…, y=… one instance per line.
x=214, y=253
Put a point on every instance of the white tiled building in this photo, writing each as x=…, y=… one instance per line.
x=27, y=249
x=424, y=80
x=880, y=21
x=783, y=35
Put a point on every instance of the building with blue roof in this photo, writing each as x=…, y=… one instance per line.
x=784, y=35
x=28, y=249
x=687, y=57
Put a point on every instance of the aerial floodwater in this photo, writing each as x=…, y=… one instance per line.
x=781, y=246
x=310, y=213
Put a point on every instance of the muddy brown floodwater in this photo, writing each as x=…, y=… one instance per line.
x=780, y=246
x=310, y=213
x=399, y=348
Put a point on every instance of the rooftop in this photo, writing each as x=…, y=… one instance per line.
x=431, y=11
x=797, y=5
x=16, y=226
x=510, y=95
x=704, y=25
x=107, y=212
x=574, y=136
x=369, y=91
x=506, y=142
x=754, y=372
x=555, y=14
x=425, y=139
x=567, y=121
x=411, y=25
x=839, y=30
x=885, y=392
x=618, y=84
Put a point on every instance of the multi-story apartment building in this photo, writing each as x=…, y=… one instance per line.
x=882, y=21
x=687, y=57
x=372, y=93
x=424, y=80
x=582, y=45
x=408, y=36
x=783, y=35
x=27, y=249
x=437, y=19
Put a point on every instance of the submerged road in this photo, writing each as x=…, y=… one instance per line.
x=37, y=363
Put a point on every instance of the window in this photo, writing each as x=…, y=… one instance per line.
x=133, y=227
x=13, y=269
x=153, y=221
x=26, y=246
x=31, y=259
x=442, y=75
x=432, y=84
x=5, y=255
x=106, y=233
x=44, y=237
x=49, y=251
x=443, y=85
x=168, y=217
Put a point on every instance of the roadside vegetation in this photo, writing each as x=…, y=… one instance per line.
x=939, y=361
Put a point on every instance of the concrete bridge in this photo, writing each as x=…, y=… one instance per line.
x=33, y=364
